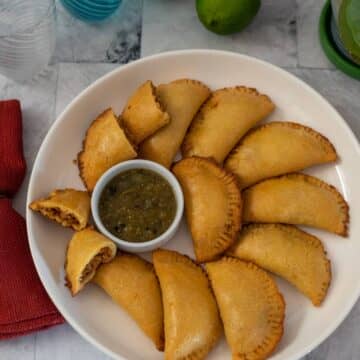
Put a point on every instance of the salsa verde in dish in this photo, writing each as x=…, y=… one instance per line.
x=137, y=205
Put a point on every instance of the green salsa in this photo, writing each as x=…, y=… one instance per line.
x=137, y=205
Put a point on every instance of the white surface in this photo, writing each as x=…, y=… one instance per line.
x=172, y=25
x=138, y=247
x=304, y=323
x=310, y=53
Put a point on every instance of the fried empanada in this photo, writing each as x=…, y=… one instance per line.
x=297, y=199
x=86, y=250
x=105, y=145
x=278, y=148
x=181, y=99
x=131, y=282
x=192, y=322
x=288, y=252
x=212, y=205
x=143, y=114
x=251, y=307
x=68, y=207
x=222, y=121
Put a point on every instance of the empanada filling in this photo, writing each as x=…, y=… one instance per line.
x=60, y=215
x=103, y=256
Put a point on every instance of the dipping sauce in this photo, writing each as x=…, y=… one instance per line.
x=137, y=205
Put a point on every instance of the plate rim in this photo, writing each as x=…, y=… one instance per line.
x=205, y=52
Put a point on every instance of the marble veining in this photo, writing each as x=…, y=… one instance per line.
x=115, y=40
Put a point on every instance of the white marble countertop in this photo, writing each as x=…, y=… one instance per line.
x=283, y=33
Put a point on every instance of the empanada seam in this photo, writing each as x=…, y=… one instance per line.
x=343, y=206
x=81, y=166
x=325, y=142
x=187, y=145
x=190, y=81
x=185, y=259
x=84, y=143
x=315, y=297
x=271, y=288
x=234, y=211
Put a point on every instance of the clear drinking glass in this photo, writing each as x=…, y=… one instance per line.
x=27, y=37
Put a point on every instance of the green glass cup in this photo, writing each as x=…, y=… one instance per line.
x=346, y=27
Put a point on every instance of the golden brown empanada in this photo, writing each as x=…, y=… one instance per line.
x=288, y=252
x=86, y=250
x=212, y=205
x=222, y=121
x=131, y=282
x=143, y=114
x=105, y=145
x=251, y=307
x=278, y=148
x=192, y=322
x=68, y=207
x=181, y=99
x=297, y=199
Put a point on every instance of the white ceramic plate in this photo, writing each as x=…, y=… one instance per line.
x=92, y=313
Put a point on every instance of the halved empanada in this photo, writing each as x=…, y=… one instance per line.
x=251, y=307
x=212, y=205
x=181, y=99
x=278, y=148
x=289, y=252
x=105, y=145
x=192, y=322
x=222, y=121
x=86, y=250
x=143, y=114
x=131, y=282
x=68, y=207
x=297, y=199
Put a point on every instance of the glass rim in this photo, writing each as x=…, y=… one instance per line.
x=50, y=9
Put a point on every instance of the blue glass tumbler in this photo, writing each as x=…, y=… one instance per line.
x=91, y=10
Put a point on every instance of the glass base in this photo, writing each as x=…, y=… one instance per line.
x=331, y=50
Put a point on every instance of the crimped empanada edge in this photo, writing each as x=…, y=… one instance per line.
x=80, y=155
x=343, y=205
x=323, y=140
x=189, y=81
x=246, y=90
x=279, y=321
x=187, y=260
x=225, y=239
x=159, y=343
x=187, y=146
x=182, y=259
x=310, y=239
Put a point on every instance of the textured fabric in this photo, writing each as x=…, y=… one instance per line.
x=24, y=304
x=12, y=162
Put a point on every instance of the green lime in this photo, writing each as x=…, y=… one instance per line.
x=226, y=16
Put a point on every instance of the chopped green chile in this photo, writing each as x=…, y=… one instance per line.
x=137, y=205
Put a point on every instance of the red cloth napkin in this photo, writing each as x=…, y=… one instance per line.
x=24, y=304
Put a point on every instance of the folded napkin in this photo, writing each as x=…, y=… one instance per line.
x=24, y=304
